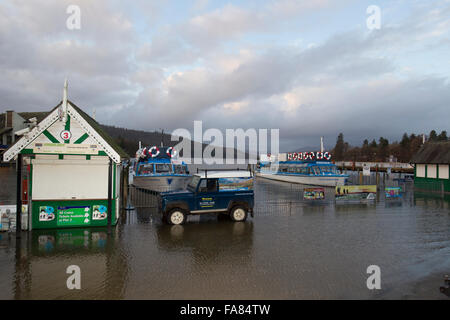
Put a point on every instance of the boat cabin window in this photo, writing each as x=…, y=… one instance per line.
x=328, y=170
x=179, y=169
x=163, y=168
x=283, y=169
x=303, y=170
x=315, y=170
x=145, y=169
x=292, y=169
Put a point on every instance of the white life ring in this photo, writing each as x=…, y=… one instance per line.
x=309, y=155
x=319, y=155
x=327, y=155
x=150, y=152
x=143, y=153
x=171, y=152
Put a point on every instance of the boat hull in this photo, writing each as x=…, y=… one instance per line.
x=161, y=183
x=307, y=180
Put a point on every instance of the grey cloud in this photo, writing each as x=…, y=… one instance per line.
x=348, y=83
x=37, y=52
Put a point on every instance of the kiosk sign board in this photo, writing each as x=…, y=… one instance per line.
x=74, y=216
x=65, y=148
x=48, y=214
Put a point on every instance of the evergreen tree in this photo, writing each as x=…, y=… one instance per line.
x=339, y=149
x=405, y=149
x=433, y=136
x=442, y=136
x=383, y=149
x=365, y=150
x=405, y=141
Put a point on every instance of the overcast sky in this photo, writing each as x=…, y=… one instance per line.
x=307, y=67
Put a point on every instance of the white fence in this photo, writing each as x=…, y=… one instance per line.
x=361, y=164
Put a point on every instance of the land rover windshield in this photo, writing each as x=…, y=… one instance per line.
x=193, y=183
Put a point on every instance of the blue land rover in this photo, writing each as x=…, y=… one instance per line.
x=225, y=192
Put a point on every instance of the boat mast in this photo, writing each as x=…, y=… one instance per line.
x=321, y=145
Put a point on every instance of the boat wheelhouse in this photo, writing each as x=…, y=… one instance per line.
x=157, y=169
x=309, y=168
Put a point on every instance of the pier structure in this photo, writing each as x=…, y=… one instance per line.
x=376, y=166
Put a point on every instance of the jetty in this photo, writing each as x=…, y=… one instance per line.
x=398, y=167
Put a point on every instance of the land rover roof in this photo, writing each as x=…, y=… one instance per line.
x=225, y=174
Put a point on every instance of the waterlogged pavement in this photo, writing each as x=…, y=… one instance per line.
x=291, y=249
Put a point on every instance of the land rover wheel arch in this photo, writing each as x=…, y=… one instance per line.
x=176, y=216
x=177, y=205
x=238, y=213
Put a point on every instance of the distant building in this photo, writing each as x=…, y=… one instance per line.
x=392, y=158
x=11, y=122
x=431, y=171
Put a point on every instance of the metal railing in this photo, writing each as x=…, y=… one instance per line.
x=140, y=198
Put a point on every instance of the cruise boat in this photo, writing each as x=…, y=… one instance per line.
x=309, y=168
x=157, y=169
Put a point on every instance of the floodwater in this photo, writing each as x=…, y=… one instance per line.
x=291, y=249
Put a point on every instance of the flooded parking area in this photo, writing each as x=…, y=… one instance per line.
x=291, y=249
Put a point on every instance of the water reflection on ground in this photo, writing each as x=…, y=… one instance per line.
x=291, y=249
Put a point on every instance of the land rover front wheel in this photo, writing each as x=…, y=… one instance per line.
x=176, y=216
x=238, y=213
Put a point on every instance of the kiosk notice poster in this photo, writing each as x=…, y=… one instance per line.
x=393, y=192
x=99, y=212
x=366, y=170
x=357, y=192
x=314, y=194
x=74, y=216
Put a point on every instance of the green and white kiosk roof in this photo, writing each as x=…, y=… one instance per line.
x=66, y=130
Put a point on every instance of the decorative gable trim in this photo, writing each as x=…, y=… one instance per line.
x=92, y=133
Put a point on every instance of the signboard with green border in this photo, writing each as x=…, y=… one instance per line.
x=70, y=213
x=74, y=216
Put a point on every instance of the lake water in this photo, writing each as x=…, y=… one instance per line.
x=291, y=249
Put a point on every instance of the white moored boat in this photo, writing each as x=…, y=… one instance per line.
x=309, y=168
x=156, y=169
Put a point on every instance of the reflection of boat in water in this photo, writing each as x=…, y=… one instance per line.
x=157, y=169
